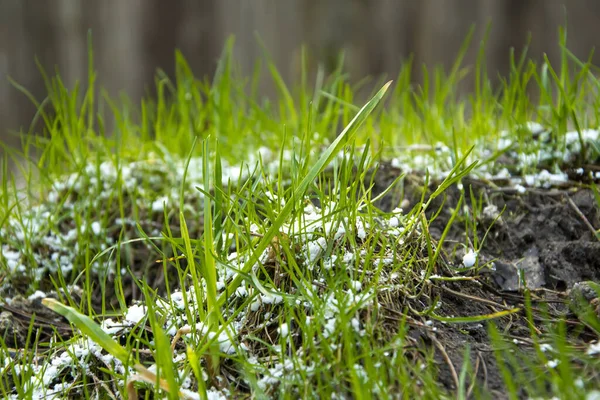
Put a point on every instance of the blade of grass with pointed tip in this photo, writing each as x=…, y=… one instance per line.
x=163, y=354
x=317, y=168
x=209, y=268
x=474, y=318
x=194, y=361
x=89, y=328
x=189, y=255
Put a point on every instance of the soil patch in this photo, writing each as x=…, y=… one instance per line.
x=540, y=243
x=542, y=240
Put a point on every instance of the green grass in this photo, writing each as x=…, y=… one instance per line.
x=251, y=233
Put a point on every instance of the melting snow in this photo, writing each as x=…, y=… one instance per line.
x=469, y=258
x=135, y=313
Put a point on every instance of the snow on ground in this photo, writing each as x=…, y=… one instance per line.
x=53, y=245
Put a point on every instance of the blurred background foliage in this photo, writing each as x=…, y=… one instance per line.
x=132, y=38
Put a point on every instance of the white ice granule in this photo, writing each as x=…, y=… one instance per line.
x=329, y=327
x=225, y=344
x=356, y=286
x=490, y=211
x=588, y=135
x=348, y=258
x=520, y=189
x=37, y=295
x=383, y=262
x=329, y=227
x=469, y=258
x=503, y=174
x=13, y=265
x=361, y=230
x=158, y=205
x=12, y=258
x=330, y=262
x=111, y=327
x=49, y=374
x=71, y=235
x=529, y=180
x=283, y=330
x=107, y=169
x=330, y=307
x=593, y=349
x=315, y=249
x=96, y=228
x=177, y=300
x=211, y=394
x=10, y=254
x=271, y=298
x=545, y=347
x=534, y=127
x=255, y=305
x=394, y=222
x=135, y=313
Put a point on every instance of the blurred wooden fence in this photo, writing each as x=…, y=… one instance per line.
x=134, y=37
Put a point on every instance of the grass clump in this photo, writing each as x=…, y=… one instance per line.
x=211, y=243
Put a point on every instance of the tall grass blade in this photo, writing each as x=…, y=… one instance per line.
x=299, y=191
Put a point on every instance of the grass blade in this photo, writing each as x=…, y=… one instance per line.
x=475, y=318
x=89, y=328
x=299, y=191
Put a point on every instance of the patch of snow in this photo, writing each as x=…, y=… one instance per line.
x=255, y=305
x=283, y=330
x=491, y=211
x=330, y=262
x=111, y=327
x=545, y=347
x=356, y=286
x=348, y=258
x=469, y=259
x=329, y=327
x=38, y=294
x=361, y=230
x=314, y=250
x=159, y=204
x=520, y=189
x=271, y=298
x=593, y=349
x=241, y=291
x=135, y=313
x=96, y=228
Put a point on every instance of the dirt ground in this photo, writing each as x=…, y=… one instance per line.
x=546, y=234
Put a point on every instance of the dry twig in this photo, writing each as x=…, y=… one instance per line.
x=446, y=358
x=582, y=216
